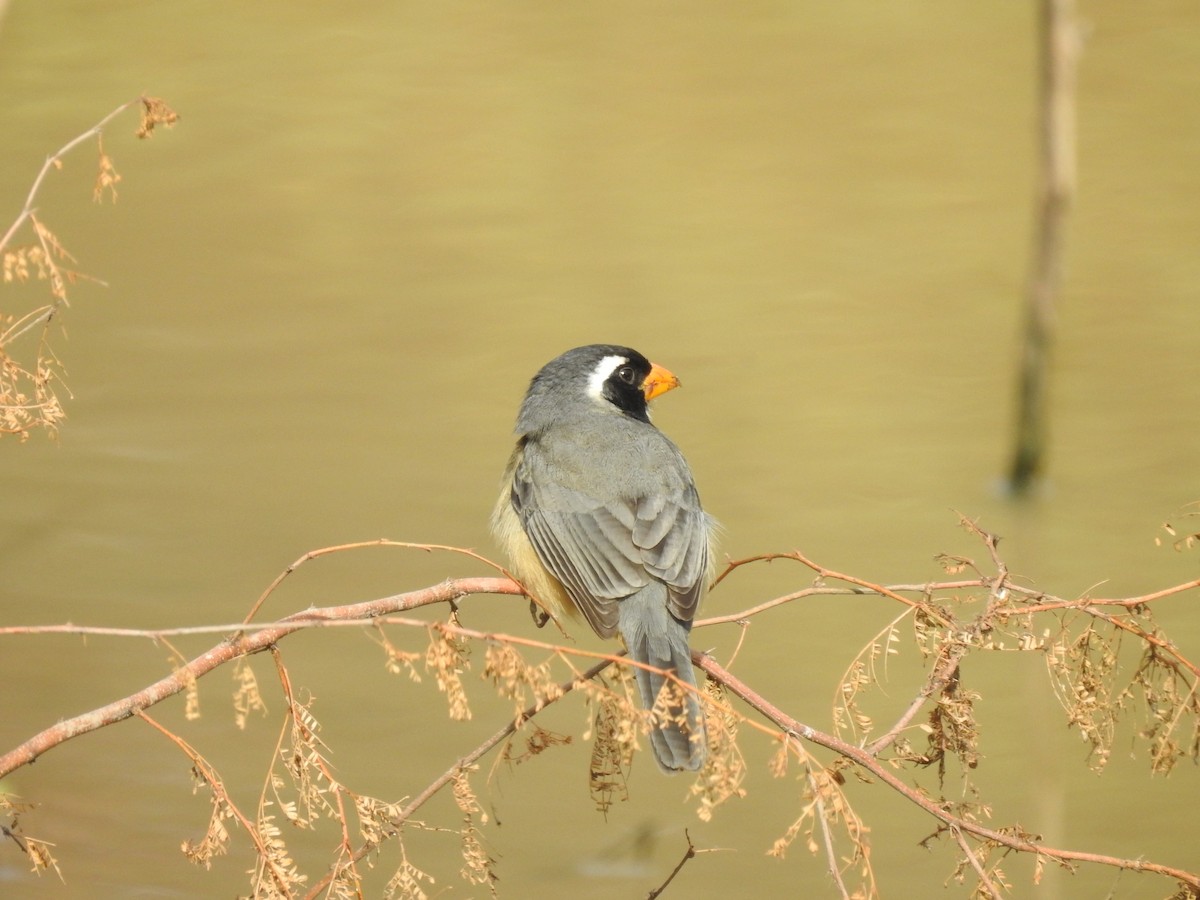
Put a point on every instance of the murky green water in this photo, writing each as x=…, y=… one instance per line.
x=329, y=285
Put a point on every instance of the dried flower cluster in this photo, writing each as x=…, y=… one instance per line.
x=36, y=851
x=724, y=768
x=30, y=378
x=446, y=657
x=613, y=745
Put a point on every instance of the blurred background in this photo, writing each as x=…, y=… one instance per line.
x=328, y=286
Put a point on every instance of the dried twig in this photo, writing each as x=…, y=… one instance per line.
x=863, y=758
x=234, y=648
x=28, y=388
x=448, y=776
x=688, y=854
x=985, y=880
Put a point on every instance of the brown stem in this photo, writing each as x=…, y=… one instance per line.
x=862, y=757
x=689, y=853
x=448, y=776
x=237, y=646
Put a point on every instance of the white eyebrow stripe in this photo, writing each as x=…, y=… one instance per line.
x=601, y=374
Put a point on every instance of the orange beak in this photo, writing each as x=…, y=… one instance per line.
x=658, y=382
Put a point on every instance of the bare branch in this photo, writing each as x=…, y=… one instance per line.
x=240, y=645
x=688, y=854
x=984, y=879
x=860, y=756
x=459, y=765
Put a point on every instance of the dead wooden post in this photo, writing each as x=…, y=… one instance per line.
x=1059, y=50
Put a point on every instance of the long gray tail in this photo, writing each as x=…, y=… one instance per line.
x=656, y=638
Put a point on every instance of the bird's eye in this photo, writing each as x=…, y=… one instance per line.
x=627, y=375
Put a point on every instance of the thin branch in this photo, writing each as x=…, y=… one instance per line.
x=237, y=646
x=217, y=786
x=984, y=879
x=831, y=860
x=54, y=160
x=359, y=545
x=1127, y=602
x=864, y=759
x=1047, y=603
x=935, y=684
x=740, y=617
x=688, y=854
x=464, y=762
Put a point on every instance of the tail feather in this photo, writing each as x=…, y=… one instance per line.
x=656, y=638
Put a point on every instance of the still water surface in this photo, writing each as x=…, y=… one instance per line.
x=329, y=284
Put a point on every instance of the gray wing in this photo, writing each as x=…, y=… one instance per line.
x=672, y=536
x=605, y=551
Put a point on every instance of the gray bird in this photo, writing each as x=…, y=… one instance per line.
x=599, y=515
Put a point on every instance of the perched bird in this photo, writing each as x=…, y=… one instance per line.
x=599, y=515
